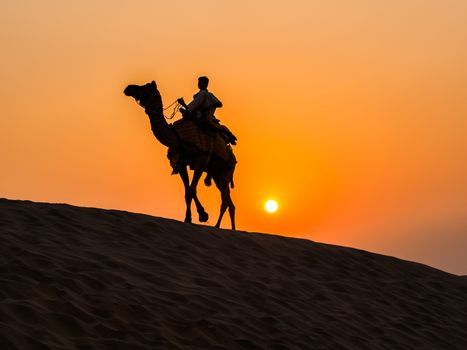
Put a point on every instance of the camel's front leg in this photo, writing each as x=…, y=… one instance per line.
x=190, y=194
x=203, y=216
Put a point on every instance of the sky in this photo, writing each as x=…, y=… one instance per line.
x=351, y=114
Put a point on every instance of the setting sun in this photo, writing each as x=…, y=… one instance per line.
x=271, y=206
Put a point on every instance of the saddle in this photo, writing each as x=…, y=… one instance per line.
x=205, y=140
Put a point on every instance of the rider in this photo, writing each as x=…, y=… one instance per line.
x=204, y=102
x=203, y=107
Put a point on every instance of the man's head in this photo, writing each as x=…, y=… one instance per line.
x=203, y=83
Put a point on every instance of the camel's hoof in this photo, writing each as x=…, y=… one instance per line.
x=187, y=219
x=203, y=216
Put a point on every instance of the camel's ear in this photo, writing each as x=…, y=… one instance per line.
x=153, y=84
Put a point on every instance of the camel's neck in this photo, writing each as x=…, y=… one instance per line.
x=159, y=126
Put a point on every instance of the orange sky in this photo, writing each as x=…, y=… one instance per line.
x=351, y=114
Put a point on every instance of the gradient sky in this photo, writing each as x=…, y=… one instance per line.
x=352, y=114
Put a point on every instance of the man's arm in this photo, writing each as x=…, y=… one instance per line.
x=215, y=103
x=182, y=102
x=197, y=102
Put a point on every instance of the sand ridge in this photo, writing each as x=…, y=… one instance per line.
x=86, y=278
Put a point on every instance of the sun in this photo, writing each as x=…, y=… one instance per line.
x=271, y=206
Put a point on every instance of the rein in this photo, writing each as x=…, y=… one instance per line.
x=175, y=110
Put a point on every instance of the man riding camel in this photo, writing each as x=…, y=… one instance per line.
x=202, y=110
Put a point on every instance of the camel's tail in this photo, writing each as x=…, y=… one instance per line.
x=232, y=185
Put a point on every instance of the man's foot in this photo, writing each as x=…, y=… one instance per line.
x=232, y=138
x=207, y=181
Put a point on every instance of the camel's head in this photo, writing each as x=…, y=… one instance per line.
x=142, y=93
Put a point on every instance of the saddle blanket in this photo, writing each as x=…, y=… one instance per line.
x=190, y=132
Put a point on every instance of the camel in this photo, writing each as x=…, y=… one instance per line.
x=187, y=154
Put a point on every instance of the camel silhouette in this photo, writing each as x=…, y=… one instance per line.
x=187, y=155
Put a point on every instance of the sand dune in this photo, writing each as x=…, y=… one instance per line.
x=84, y=278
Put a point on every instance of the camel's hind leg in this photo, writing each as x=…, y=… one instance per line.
x=231, y=212
x=226, y=202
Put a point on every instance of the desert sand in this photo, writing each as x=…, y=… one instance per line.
x=85, y=278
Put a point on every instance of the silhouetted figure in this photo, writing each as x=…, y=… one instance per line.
x=190, y=146
x=202, y=110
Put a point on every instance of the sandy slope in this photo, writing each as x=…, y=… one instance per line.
x=83, y=278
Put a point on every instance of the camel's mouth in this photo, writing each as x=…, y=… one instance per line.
x=133, y=91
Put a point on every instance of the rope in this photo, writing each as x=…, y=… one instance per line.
x=175, y=110
x=170, y=105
